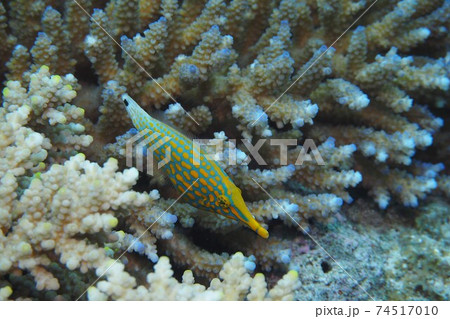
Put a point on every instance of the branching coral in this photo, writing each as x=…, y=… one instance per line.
x=234, y=284
x=242, y=69
x=61, y=203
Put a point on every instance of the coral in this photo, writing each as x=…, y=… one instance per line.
x=307, y=129
x=5, y=292
x=46, y=97
x=408, y=261
x=423, y=256
x=234, y=283
x=176, y=116
x=78, y=198
x=99, y=47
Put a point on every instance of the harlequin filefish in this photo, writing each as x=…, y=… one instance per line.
x=204, y=182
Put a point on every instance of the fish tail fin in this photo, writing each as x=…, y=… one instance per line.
x=138, y=116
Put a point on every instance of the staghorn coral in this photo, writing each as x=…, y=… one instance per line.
x=368, y=103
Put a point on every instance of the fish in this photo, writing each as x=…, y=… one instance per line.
x=203, y=182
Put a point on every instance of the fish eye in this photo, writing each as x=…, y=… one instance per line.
x=125, y=102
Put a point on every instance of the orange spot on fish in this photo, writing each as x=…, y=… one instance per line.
x=198, y=193
x=186, y=175
x=212, y=181
x=186, y=165
x=203, y=172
